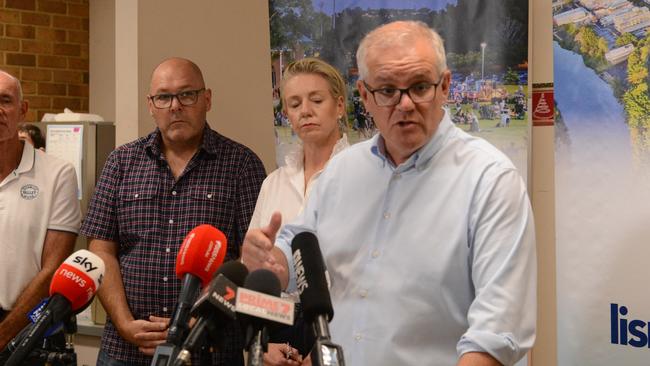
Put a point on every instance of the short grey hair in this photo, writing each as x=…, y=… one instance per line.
x=18, y=85
x=400, y=32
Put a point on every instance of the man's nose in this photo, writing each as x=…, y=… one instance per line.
x=175, y=103
x=405, y=102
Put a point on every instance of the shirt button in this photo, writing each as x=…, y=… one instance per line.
x=174, y=193
x=397, y=176
x=167, y=250
x=363, y=293
x=209, y=195
x=375, y=253
x=136, y=195
x=171, y=221
x=387, y=215
x=357, y=337
x=164, y=309
x=165, y=279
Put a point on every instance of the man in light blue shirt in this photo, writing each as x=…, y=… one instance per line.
x=427, y=232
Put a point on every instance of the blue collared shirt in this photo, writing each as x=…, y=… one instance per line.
x=429, y=259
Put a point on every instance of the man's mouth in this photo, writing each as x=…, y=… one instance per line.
x=405, y=123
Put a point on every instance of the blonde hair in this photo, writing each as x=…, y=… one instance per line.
x=313, y=65
x=400, y=33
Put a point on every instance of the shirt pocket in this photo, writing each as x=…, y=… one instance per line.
x=206, y=207
x=138, y=213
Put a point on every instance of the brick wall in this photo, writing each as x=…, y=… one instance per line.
x=44, y=43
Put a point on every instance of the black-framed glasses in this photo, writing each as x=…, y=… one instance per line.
x=419, y=93
x=185, y=98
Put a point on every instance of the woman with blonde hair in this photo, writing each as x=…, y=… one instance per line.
x=313, y=96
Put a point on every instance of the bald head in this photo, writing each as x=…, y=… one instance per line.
x=13, y=110
x=399, y=34
x=177, y=67
x=178, y=102
x=18, y=86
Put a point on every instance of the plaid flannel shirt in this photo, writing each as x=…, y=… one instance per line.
x=139, y=205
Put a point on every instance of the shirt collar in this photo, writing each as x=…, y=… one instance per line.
x=27, y=160
x=208, y=144
x=295, y=156
x=26, y=164
x=420, y=158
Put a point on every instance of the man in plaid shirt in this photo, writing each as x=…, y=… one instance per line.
x=152, y=192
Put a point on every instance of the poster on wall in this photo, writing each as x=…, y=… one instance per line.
x=602, y=181
x=487, y=53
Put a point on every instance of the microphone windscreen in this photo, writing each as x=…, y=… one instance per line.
x=235, y=271
x=264, y=281
x=202, y=252
x=311, y=277
x=78, y=278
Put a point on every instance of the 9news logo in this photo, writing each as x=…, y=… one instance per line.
x=633, y=332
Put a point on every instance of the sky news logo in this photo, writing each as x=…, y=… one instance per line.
x=625, y=331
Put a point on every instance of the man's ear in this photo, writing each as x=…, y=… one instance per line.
x=363, y=93
x=208, y=99
x=150, y=106
x=445, y=82
x=24, y=107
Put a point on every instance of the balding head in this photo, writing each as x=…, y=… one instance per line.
x=13, y=109
x=178, y=66
x=399, y=34
x=19, y=87
x=182, y=101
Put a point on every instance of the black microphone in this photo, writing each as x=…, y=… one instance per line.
x=215, y=307
x=257, y=338
x=13, y=344
x=312, y=281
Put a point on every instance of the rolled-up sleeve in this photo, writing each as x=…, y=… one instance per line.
x=502, y=316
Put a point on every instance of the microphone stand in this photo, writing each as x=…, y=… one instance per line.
x=325, y=352
x=55, y=350
x=167, y=352
x=258, y=346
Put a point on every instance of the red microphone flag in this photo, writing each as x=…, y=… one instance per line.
x=202, y=252
x=78, y=278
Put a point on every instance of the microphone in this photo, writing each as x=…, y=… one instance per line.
x=312, y=281
x=215, y=307
x=72, y=288
x=257, y=303
x=202, y=252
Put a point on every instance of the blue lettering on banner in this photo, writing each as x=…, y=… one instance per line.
x=635, y=333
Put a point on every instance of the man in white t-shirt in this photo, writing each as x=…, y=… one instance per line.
x=39, y=215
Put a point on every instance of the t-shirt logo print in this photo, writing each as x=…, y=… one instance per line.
x=29, y=191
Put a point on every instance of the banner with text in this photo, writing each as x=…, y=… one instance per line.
x=602, y=181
